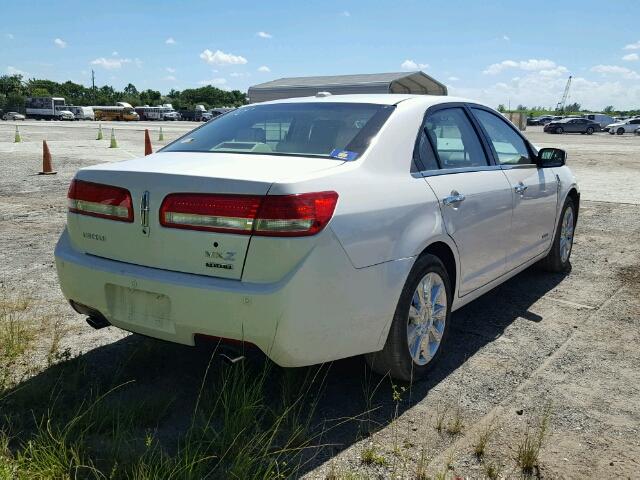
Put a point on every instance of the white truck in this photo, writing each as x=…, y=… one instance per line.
x=44, y=108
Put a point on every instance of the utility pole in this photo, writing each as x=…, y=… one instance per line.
x=93, y=85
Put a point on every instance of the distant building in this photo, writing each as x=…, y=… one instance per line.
x=401, y=82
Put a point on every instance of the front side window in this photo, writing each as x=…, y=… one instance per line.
x=508, y=145
x=341, y=130
x=454, y=139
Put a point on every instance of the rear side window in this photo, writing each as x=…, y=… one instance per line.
x=426, y=159
x=508, y=145
x=339, y=130
x=454, y=139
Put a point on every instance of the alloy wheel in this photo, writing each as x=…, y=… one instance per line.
x=566, y=234
x=427, y=318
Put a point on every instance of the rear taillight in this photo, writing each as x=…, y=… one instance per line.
x=98, y=200
x=271, y=215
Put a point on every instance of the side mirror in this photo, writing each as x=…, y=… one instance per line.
x=551, y=157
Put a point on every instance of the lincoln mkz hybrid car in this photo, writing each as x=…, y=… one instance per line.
x=318, y=228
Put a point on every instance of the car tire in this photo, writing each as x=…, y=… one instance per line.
x=422, y=321
x=558, y=259
x=559, y=130
x=590, y=131
x=620, y=131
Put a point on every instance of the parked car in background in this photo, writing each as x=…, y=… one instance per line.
x=542, y=120
x=65, y=115
x=13, y=116
x=79, y=113
x=626, y=126
x=387, y=213
x=572, y=125
x=216, y=112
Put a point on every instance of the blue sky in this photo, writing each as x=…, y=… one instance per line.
x=493, y=51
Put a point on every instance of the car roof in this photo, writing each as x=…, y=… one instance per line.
x=375, y=98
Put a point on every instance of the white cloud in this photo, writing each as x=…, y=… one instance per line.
x=220, y=58
x=264, y=68
x=114, y=53
x=533, y=89
x=9, y=36
x=528, y=65
x=453, y=79
x=16, y=71
x=218, y=82
x=138, y=62
x=111, y=63
x=170, y=70
x=506, y=38
x=345, y=13
x=633, y=46
x=411, y=65
x=264, y=35
x=623, y=72
x=631, y=57
x=60, y=43
x=170, y=78
x=170, y=41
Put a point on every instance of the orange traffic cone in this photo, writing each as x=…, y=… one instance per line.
x=46, y=160
x=148, y=150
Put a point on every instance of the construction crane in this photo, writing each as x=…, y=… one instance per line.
x=561, y=103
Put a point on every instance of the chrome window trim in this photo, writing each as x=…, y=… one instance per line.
x=453, y=171
x=506, y=166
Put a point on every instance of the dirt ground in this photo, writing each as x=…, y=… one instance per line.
x=558, y=347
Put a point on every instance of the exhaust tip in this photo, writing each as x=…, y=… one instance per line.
x=98, y=322
x=94, y=318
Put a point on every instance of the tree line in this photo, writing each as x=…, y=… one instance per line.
x=14, y=90
x=569, y=109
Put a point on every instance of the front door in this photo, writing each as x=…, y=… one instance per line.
x=475, y=198
x=534, y=190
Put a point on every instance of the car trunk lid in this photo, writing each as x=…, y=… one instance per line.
x=144, y=241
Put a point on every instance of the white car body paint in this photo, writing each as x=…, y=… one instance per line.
x=628, y=126
x=306, y=300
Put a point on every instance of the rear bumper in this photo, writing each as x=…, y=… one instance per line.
x=323, y=310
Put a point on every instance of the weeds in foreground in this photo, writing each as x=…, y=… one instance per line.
x=75, y=421
x=370, y=456
x=421, y=467
x=492, y=470
x=480, y=445
x=454, y=427
x=528, y=451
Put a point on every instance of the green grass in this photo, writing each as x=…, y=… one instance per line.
x=143, y=412
x=371, y=456
x=528, y=451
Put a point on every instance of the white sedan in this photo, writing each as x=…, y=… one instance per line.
x=318, y=228
x=627, y=126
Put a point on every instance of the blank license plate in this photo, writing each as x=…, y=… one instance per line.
x=139, y=307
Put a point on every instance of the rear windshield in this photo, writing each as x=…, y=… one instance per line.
x=338, y=130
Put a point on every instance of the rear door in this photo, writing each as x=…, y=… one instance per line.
x=475, y=196
x=535, y=190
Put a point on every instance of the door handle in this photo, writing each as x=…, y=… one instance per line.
x=453, y=199
x=520, y=188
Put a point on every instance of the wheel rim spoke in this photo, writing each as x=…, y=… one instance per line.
x=426, y=319
x=566, y=235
